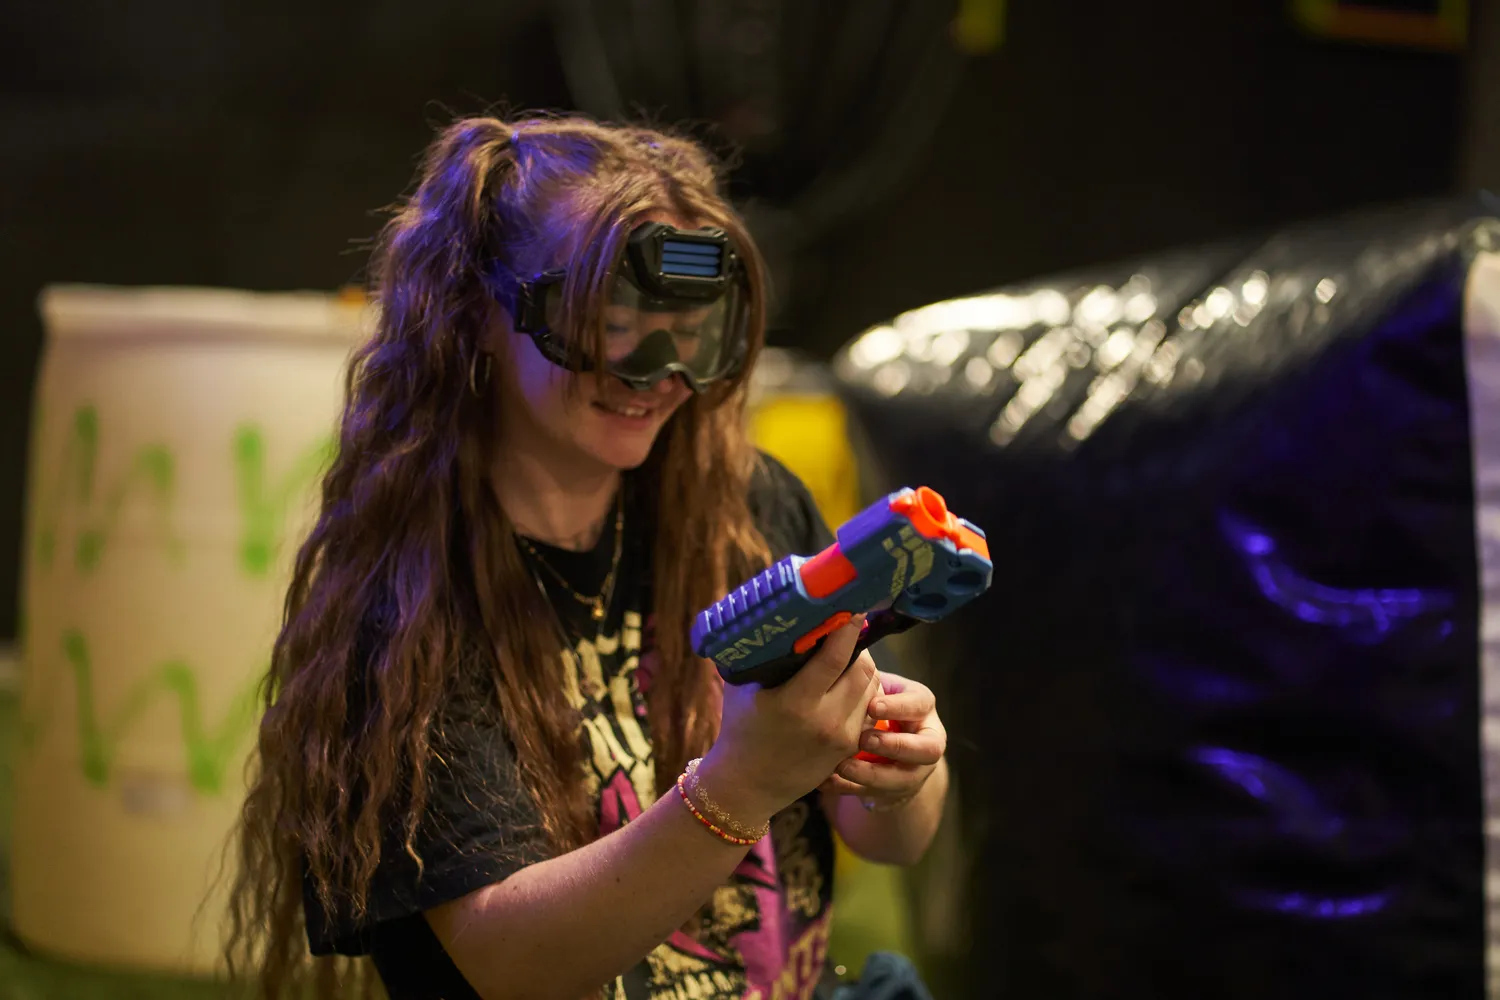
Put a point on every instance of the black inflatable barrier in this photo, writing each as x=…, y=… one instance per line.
x=1216, y=728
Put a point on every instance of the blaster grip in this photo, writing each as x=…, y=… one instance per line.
x=776, y=672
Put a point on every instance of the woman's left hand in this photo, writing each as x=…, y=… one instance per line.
x=912, y=748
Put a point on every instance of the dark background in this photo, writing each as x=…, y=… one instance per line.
x=251, y=144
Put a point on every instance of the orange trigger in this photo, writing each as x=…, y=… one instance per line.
x=884, y=726
x=810, y=640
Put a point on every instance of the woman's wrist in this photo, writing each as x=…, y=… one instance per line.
x=732, y=794
x=876, y=804
x=712, y=815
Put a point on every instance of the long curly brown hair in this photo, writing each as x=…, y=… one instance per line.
x=409, y=488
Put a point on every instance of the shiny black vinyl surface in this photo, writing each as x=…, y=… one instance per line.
x=1216, y=726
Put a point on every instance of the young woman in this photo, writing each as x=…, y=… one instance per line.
x=489, y=759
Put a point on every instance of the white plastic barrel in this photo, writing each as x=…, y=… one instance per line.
x=178, y=440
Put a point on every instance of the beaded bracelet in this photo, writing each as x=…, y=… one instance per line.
x=712, y=808
x=713, y=827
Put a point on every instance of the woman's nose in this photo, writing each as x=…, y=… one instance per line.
x=668, y=385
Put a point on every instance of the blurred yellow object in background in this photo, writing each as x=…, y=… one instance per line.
x=809, y=435
x=979, y=25
x=1442, y=25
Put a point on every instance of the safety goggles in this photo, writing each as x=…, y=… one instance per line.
x=677, y=304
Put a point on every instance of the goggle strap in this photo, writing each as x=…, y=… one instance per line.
x=529, y=303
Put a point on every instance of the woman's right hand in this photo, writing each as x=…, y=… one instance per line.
x=777, y=744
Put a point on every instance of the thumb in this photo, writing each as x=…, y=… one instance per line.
x=832, y=658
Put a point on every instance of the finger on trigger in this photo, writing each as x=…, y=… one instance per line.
x=832, y=658
x=845, y=638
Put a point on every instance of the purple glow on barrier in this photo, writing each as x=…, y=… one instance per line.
x=1319, y=907
x=1198, y=682
x=1368, y=610
x=1300, y=811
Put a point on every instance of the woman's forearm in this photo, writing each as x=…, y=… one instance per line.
x=567, y=926
x=898, y=837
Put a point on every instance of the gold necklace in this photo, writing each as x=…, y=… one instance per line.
x=598, y=603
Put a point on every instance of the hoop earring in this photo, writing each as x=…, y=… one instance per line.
x=474, y=379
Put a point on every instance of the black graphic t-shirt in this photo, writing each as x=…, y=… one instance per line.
x=763, y=935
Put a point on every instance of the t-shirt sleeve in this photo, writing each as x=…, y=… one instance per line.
x=480, y=826
x=785, y=511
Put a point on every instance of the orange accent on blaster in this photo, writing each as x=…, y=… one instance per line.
x=826, y=572
x=810, y=640
x=971, y=540
x=928, y=513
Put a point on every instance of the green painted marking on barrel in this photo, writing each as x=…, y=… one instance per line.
x=207, y=750
x=264, y=505
x=151, y=476
x=151, y=470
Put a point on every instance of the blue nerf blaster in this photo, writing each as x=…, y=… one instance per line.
x=902, y=560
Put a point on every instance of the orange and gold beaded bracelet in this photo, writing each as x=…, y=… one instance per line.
x=731, y=835
x=715, y=811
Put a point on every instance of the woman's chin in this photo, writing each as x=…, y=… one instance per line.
x=622, y=454
x=622, y=451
